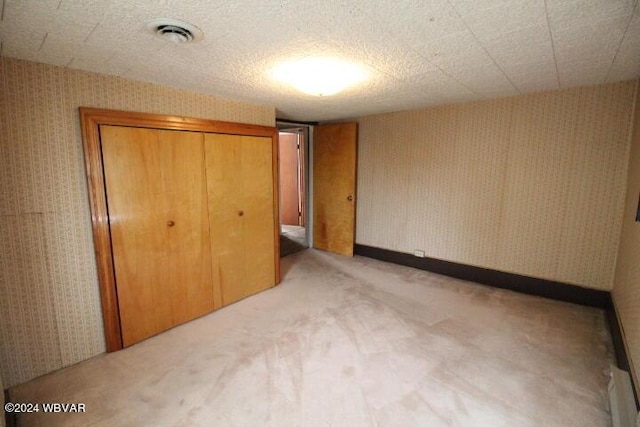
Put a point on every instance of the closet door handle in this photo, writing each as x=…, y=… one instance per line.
x=240, y=213
x=170, y=223
x=350, y=197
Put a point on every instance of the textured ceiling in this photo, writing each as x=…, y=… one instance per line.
x=419, y=52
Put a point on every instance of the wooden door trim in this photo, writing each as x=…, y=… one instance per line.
x=302, y=184
x=90, y=121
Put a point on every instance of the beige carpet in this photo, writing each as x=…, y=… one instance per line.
x=352, y=342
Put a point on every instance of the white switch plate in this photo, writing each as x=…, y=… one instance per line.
x=418, y=253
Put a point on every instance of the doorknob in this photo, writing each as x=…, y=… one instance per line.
x=350, y=197
x=170, y=223
x=240, y=213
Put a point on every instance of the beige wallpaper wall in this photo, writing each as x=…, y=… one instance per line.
x=533, y=184
x=49, y=301
x=626, y=290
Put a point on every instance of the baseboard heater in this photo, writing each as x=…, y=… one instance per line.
x=623, y=404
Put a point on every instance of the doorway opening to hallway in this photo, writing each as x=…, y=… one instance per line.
x=293, y=152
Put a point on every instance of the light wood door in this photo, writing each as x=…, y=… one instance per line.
x=289, y=185
x=334, y=187
x=241, y=192
x=158, y=219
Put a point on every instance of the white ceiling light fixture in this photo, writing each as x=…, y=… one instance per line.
x=175, y=31
x=320, y=76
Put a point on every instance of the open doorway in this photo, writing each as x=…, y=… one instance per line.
x=293, y=147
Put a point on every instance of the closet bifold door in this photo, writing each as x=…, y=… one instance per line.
x=240, y=184
x=158, y=220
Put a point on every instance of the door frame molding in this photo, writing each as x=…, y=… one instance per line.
x=90, y=121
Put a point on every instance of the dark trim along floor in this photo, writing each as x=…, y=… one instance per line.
x=622, y=359
x=515, y=282
x=499, y=279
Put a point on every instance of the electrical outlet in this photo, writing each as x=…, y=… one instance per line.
x=418, y=253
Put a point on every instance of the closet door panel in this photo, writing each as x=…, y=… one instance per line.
x=158, y=222
x=240, y=187
x=189, y=246
x=257, y=176
x=223, y=157
x=131, y=165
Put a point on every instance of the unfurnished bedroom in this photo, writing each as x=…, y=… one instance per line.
x=338, y=213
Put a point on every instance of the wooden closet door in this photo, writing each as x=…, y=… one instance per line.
x=241, y=214
x=259, y=221
x=158, y=219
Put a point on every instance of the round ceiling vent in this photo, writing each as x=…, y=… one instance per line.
x=175, y=31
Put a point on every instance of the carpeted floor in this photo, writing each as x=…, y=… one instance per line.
x=351, y=342
x=292, y=239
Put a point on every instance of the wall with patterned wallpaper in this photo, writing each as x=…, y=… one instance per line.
x=533, y=184
x=49, y=301
x=626, y=290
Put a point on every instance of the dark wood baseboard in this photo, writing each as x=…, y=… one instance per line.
x=619, y=349
x=499, y=279
x=622, y=359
